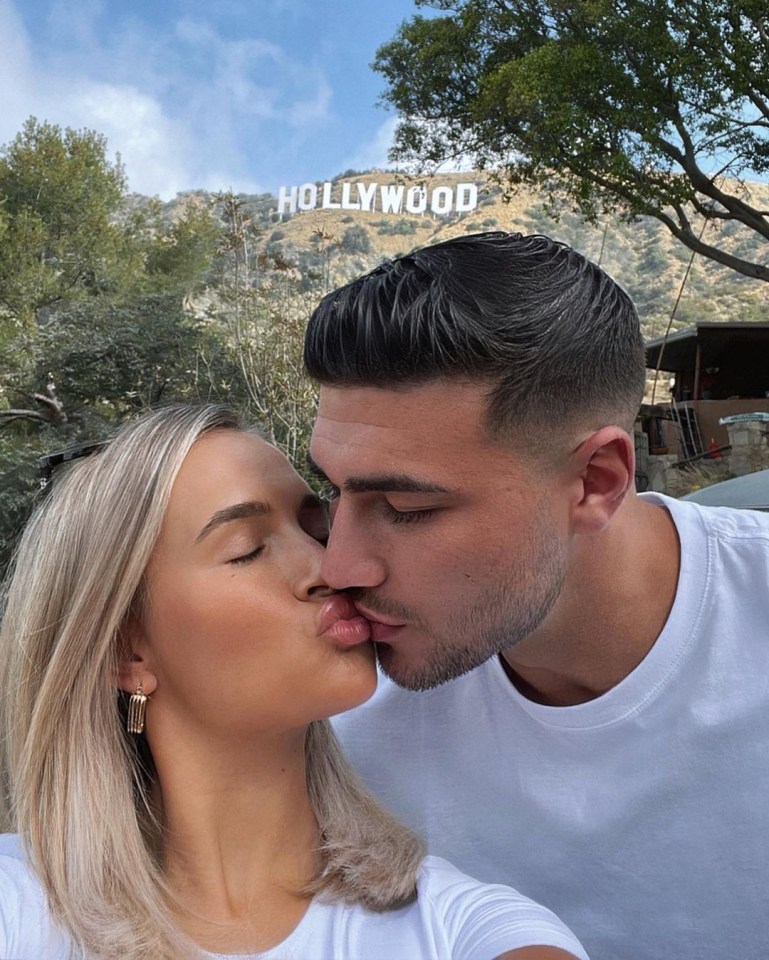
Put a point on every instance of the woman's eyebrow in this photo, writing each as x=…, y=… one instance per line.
x=237, y=511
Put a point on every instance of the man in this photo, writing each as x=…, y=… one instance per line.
x=592, y=665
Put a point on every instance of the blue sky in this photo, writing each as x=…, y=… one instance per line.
x=241, y=94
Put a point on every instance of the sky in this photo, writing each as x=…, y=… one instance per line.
x=245, y=95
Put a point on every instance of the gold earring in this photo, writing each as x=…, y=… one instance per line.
x=137, y=706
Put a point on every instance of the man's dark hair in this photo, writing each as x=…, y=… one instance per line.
x=555, y=338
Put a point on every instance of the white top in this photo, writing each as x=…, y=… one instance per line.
x=453, y=918
x=641, y=817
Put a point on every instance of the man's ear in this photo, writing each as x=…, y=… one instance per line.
x=604, y=467
x=135, y=668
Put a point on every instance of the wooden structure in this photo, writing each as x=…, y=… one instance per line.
x=720, y=369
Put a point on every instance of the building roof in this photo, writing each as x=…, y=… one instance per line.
x=679, y=349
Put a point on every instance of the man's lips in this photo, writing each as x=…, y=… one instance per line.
x=340, y=621
x=383, y=629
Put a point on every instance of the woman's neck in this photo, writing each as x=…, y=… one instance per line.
x=240, y=839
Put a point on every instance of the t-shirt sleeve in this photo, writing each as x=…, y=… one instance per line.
x=10, y=906
x=26, y=931
x=482, y=921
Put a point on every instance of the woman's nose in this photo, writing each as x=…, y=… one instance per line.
x=310, y=583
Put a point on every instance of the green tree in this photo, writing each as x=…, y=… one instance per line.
x=99, y=361
x=177, y=256
x=641, y=107
x=263, y=301
x=59, y=195
x=90, y=366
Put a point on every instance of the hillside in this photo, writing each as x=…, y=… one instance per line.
x=642, y=256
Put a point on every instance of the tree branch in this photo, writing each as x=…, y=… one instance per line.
x=705, y=184
x=689, y=239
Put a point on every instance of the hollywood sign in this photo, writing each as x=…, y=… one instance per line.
x=389, y=198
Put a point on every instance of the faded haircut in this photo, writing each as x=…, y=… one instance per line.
x=554, y=337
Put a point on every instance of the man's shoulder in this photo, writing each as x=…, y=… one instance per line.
x=731, y=537
x=716, y=521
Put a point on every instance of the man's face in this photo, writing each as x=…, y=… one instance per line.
x=453, y=545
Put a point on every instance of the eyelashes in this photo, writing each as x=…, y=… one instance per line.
x=406, y=516
x=247, y=556
x=329, y=494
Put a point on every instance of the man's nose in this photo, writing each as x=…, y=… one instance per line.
x=351, y=558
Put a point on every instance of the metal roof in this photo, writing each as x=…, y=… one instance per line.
x=679, y=349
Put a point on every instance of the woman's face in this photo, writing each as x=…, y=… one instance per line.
x=240, y=633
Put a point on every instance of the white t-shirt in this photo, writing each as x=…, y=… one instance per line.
x=641, y=817
x=453, y=918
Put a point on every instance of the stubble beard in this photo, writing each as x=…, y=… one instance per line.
x=499, y=618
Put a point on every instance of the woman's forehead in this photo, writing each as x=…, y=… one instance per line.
x=227, y=467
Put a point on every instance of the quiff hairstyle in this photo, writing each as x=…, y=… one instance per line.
x=79, y=787
x=554, y=337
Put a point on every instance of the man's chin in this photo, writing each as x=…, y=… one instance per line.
x=420, y=673
x=401, y=669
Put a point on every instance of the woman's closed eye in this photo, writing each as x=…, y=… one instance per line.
x=246, y=557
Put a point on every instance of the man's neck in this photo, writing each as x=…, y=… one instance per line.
x=616, y=599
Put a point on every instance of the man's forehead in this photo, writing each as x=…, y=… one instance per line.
x=434, y=432
x=399, y=408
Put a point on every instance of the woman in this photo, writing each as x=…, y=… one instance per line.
x=170, y=584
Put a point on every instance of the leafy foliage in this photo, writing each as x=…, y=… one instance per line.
x=121, y=359
x=263, y=301
x=58, y=195
x=642, y=107
x=356, y=240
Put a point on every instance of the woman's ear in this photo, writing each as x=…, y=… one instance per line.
x=135, y=668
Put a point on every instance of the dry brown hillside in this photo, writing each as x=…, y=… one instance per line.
x=643, y=256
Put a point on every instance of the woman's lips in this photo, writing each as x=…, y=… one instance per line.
x=340, y=621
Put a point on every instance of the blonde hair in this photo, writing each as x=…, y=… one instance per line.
x=78, y=789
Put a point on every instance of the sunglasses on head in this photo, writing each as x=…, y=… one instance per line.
x=48, y=464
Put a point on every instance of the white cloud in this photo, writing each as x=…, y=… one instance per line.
x=15, y=72
x=313, y=110
x=219, y=182
x=186, y=110
x=154, y=148
x=373, y=153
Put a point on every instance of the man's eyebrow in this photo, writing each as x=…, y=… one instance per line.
x=237, y=511
x=382, y=483
x=391, y=483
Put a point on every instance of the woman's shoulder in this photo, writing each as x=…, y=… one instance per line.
x=476, y=915
x=20, y=890
x=25, y=924
x=441, y=881
x=18, y=882
x=10, y=846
